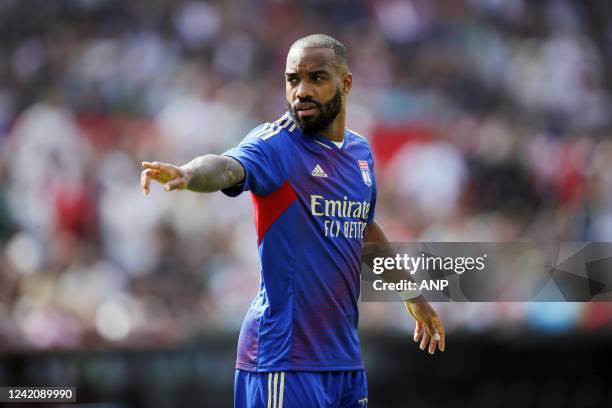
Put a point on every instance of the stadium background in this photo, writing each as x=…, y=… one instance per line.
x=490, y=121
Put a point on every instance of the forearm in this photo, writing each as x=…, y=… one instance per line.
x=428, y=323
x=375, y=235
x=211, y=173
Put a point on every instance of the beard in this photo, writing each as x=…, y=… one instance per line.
x=328, y=112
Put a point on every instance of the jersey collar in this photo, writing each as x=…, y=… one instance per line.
x=325, y=142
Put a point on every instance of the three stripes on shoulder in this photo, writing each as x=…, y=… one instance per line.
x=272, y=129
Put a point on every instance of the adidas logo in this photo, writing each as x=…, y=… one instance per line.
x=318, y=172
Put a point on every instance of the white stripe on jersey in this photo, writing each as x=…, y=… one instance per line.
x=269, y=390
x=270, y=129
x=275, y=389
x=279, y=120
x=277, y=131
x=322, y=144
x=282, y=390
x=263, y=130
x=356, y=134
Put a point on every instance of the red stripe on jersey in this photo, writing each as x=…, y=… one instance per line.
x=270, y=207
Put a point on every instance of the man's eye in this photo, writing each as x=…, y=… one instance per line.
x=291, y=80
x=318, y=78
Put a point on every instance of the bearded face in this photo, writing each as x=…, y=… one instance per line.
x=313, y=116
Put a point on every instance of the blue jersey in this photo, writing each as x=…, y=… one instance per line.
x=312, y=201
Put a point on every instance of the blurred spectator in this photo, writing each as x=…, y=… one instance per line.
x=489, y=119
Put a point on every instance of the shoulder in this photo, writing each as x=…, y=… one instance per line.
x=357, y=140
x=273, y=132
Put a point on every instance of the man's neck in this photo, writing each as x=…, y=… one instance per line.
x=335, y=131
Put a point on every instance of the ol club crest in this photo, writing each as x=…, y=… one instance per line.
x=365, y=172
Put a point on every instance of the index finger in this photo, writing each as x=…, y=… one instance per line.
x=145, y=181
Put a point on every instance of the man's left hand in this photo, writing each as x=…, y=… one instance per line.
x=428, y=329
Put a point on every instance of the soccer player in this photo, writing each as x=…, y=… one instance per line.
x=314, y=192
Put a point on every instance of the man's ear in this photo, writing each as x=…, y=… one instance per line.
x=347, y=83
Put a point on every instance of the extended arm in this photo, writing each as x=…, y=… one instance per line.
x=204, y=174
x=428, y=323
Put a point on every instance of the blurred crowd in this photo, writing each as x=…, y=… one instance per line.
x=490, y=121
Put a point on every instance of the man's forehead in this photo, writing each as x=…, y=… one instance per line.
x=309, y=59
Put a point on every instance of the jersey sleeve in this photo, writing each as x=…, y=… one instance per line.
x=263, y=155
x=374, y=193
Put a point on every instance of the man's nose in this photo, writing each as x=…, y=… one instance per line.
x=303, y=91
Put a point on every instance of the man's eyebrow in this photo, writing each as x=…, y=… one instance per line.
x=315, y=72
x=318, y=72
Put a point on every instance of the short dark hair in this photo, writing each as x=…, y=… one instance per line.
x=325, y=41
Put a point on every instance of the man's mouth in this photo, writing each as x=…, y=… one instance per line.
x=306, y=109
